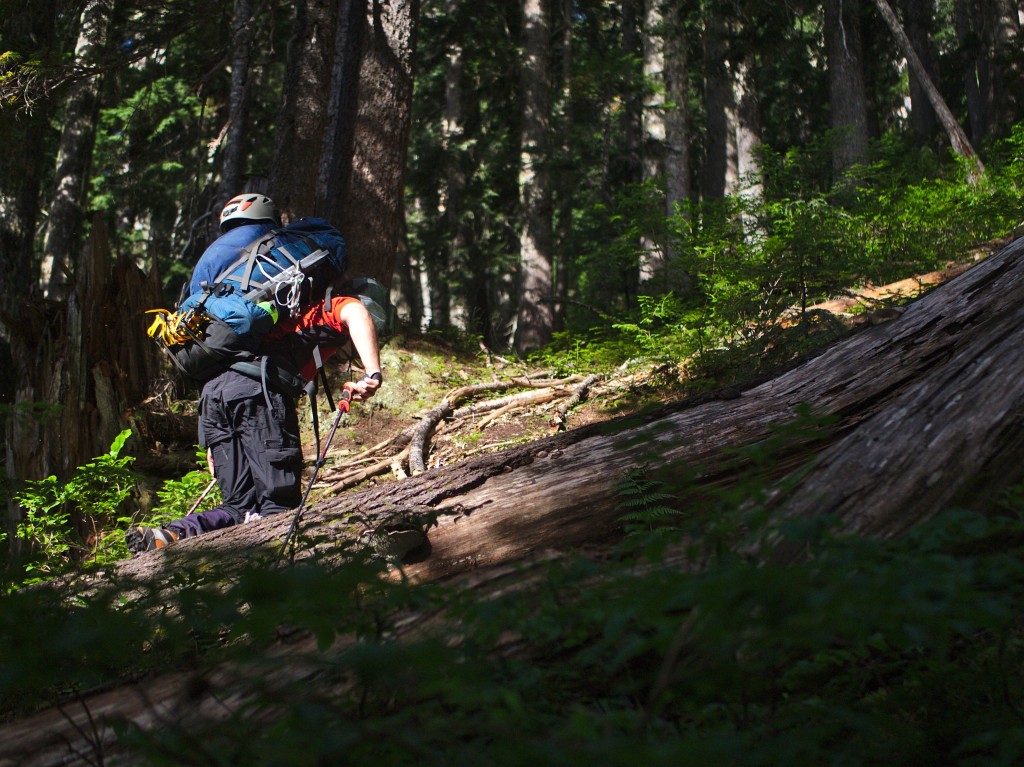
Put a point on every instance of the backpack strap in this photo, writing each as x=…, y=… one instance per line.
x=261, y=369
x=268, y=373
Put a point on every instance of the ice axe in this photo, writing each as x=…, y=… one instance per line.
x=344, y=403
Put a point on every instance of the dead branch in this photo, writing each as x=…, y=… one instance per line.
x=354, y=478
x=577, y=397
x=522, y=399
x=420, y=437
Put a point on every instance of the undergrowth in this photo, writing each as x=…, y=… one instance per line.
x=862, y=652
x=733, y=269
x=868, y=653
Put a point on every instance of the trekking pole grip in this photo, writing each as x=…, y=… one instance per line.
x=345, y=400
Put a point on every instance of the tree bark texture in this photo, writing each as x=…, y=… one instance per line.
x=303, y=118
x=233, y=157
x=847, y=98
x=653, y=122
x=74, y=158
x=1007, y=62
x=370, y=206
x=677, y=119
x=565, y=183
x=78, y=355
x=748, y=131
x=535, y=321
x=965, y=24
x=719, y=173
x=339, y=130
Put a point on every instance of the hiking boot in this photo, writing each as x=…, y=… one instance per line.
x=140, y=539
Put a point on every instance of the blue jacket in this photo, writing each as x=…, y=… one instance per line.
x=223, y=252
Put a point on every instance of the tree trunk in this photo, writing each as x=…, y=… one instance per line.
x=957, y=139
x=965, y=23
x=342, y=139
x=627, y=171
x=567, y=176
x=369, y=205
x=623, y=166
x=67, y=206
x=342, y=103
x=677, y=119
x=407, y=287
x=534, y=324
x=719, y=173
x=652, y=246
x=1007, y=64
x=748, y=140
x=847, y=98
x=22, y=171
x=78, y=355
x=232, y=165
x=303, y=118
x=456, y=228
x=919, y=23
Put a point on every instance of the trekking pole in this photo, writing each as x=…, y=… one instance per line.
x=206, y=492
x=344, y=402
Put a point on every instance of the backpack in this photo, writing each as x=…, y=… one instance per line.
x=273, y=277
x=377, y=300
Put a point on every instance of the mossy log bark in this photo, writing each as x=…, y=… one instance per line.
x=927, y=409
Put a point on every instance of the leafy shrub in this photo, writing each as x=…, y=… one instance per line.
x=97, y=490
x=176, y=497
x=749, y=264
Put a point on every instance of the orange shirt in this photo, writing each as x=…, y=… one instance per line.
x=293, y=342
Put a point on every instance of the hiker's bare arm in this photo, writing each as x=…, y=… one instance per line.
x=364, y=338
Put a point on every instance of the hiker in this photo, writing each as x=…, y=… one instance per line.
x=248, y=423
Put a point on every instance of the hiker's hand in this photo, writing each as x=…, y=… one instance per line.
x=209, y=461
x=365, y=387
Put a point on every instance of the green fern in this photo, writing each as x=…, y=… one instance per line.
x=644, y=504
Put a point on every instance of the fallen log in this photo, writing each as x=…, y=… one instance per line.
x=928, y=410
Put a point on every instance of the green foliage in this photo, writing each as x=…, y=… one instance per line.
x=596, y=350
x=860, y=651
x=176, y=497
x=863, y=652
x=744, y=269
x=95, y=492
x=643, y=503
x=660, y=333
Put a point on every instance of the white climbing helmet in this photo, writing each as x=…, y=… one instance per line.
x=247, y=209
